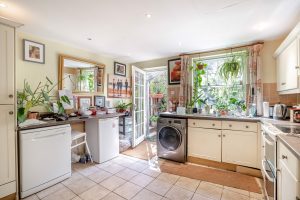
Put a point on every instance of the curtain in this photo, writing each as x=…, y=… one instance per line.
x=255, y=78
x=185, y=82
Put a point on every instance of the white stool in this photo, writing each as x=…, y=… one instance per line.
x=76, y=135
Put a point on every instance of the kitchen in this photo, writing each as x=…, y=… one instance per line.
x=69, y=96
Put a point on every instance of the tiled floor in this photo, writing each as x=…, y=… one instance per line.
x=131, y=178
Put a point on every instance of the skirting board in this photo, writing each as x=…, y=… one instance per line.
x=7, y=189
x=225, y=166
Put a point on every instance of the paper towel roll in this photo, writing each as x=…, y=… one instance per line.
x=266, y=108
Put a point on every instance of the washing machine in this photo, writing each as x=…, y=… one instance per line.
x=172, y=139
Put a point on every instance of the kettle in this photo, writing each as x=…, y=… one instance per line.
x=280, y=111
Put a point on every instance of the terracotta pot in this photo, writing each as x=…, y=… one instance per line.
x=200, y=66
x=158, y=96
x=33, y=115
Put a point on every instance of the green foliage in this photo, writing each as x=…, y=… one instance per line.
x=153, y=118
x=238, y=103
x=63, y=99
x=198, y=95
x=123, y=106
x=87, y=75
x=158, y=85
x=232, y=67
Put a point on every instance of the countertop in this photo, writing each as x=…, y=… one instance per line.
x=71, y=120
x=291, y=142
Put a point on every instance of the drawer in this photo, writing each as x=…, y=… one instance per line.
x=201, y=123
x=240, y=126
x=289, y=159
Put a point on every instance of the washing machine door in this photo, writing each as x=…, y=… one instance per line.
x=170, y=138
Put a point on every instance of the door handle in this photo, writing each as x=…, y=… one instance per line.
x=11, y=96
x=11, y=112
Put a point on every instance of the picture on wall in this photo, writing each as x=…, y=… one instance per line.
x=174, y=71
x=119, y=69
x=118, y=87
x=85, y=101
x=33, y=51
x=99, y=101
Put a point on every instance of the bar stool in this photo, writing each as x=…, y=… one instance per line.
x=76, y=135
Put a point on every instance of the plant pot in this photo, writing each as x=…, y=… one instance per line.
x=121, y=110
x=154, y=124
x=223, y=112
x=195, y=110
x=189, y=110
x=157, y=96
x=200, y=66
x=32, y=115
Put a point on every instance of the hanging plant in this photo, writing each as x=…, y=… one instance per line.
x=231, y=68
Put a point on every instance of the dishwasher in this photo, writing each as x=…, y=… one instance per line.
x=45, y=158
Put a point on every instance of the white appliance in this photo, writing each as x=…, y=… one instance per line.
x=103, y=138
x=45, y=158
x=266, y=109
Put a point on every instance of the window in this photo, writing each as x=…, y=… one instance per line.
x=214, y=87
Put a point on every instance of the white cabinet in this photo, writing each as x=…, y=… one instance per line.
x=7, y=37
x=7, y=150
x=239, y=147
x=232, y=142
x=288, y=62
x=204, y=143
x=288, y=176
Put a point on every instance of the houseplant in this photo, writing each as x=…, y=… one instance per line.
x=231, y=68
x=222, y=107
x=153, y=120
x=122, y=106
x=28, y=98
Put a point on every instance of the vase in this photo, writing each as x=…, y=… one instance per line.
x=189, y=110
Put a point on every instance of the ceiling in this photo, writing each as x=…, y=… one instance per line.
x=121, y=29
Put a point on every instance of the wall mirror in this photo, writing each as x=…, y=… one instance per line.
x=80, y=75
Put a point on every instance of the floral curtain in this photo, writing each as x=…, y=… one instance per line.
x=185, y=91
x=255, y=93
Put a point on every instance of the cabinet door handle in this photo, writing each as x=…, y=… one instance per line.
x=230, y=125
x=194, y=123
x=219, y=135
x=224, y=135
x=247, y=126
x=284, y=157
x=213, y=124
x=11, y=96
x=297, y=67
x=283, y=83
x=11, y=112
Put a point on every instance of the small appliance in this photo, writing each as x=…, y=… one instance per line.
x=266, y=108
x=280, y=111
x=295, y=115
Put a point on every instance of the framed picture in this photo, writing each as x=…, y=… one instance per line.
x=174, y=71
x=33, y=51
x=118, y=87
x=84, y=101
x=119, y=69
x=99, y=101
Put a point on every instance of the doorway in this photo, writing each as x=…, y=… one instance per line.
x=155, y=101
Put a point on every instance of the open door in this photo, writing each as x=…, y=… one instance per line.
x=138, y=94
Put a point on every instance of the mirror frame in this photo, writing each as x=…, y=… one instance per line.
x=61, y=70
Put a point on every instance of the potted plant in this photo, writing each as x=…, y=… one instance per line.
x=222, y=108
x=231, y=68
x=28, y=98
x=153, y=120
x=239, y=104
x=122, y=107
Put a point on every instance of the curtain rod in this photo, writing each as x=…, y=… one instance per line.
x=222, y=49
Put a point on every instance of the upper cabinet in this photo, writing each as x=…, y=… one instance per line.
x=7, y=43
x=288, y=63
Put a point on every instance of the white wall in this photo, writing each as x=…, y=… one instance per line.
x=34, y=72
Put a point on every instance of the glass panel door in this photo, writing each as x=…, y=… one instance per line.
x=138, y=94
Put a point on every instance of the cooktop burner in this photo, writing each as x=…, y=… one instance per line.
x=289, y=129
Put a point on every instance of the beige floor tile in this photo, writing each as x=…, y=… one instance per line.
x=113, y=168
x=112, y=182
x=81, y=185
x=123, y=161
x=151, y=172
x=50, y=190
x=146, y=195
x=128, y=190
x=127, y=174
x=168, y=178
x=159, y=187
x=94, y=193
x=137, y=166
x=256, y=196
x=105, y=164
x=32, y=197
x=200, y=197
x=244, y=192
x=230, y=195
x=112, y=196
x=99, y=176
x=75, y=177
x=188, y=183
x=142, y=180
x=207, y=189
x=178, y=193
x=63, y=194
x=88, y=170
x=77, y=198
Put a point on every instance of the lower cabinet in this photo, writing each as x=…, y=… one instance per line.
x=7, y=151
x=239, y=147
x=204, y=143
x=288, y=175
